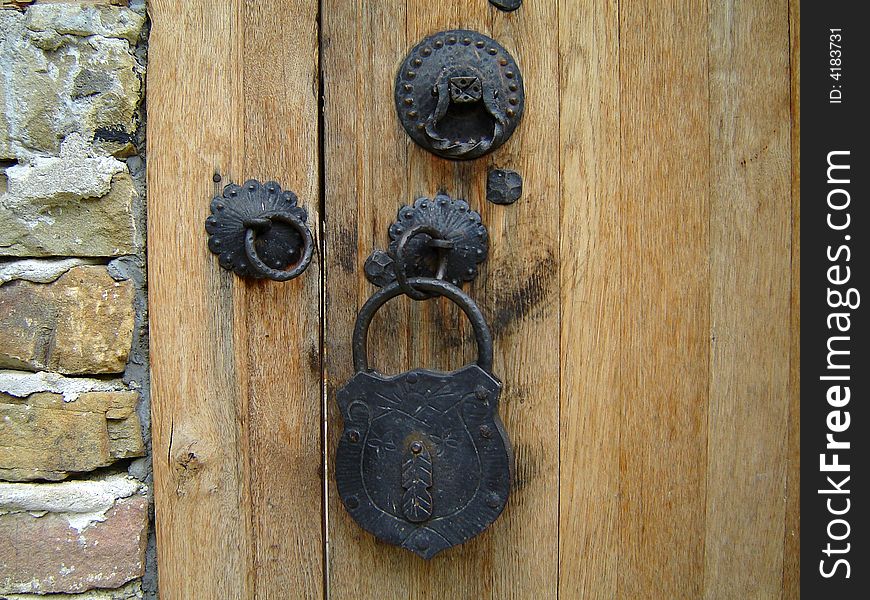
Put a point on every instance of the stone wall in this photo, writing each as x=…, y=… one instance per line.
x=74, y=469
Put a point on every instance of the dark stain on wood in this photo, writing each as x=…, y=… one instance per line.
x=515, y=303
x=345, y=249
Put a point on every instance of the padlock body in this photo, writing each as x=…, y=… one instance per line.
x=423, y=461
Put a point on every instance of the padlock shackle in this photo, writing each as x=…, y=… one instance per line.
x=426, y=284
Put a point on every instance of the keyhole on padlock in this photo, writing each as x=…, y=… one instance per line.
x=417, y=478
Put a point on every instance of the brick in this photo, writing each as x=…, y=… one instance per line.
x=75, y=19
x=82, y=323
x=44, y=437
x=52, y=553
x=131, y=591
x=70, y=69
x=76, y=206
x=39, y=270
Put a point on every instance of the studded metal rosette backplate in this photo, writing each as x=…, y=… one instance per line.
x=259, y=207
x=459, y=94
x=462, y=242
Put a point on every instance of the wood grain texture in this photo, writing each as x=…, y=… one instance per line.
x=658, y=303
x=791, y=572
x=665, y=294
x=372, y=168
x=235, y=374
x=590, y=284
x=750, y=272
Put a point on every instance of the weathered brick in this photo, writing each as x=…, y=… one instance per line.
x=75, y=204
x=40, y=270
x=44, y=437
x=82, y=323
x=131, y=591
x=58, y=553
x=70, y=69
x=78, y=20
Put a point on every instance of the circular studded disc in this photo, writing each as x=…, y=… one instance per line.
x=278, y=246
x=459, y=94
x=459, y=226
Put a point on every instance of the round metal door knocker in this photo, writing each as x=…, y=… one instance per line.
x=459, y=94
x=423, y=462
x=257, y=230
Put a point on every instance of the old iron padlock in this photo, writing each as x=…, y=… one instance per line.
x=423, y=462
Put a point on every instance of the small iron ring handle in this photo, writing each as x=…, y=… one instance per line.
x=307, y=247
x=438, y=287
x=401, y=259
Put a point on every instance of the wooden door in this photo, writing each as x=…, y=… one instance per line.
x=643, y=295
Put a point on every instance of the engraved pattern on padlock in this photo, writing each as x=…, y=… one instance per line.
x=424, y=461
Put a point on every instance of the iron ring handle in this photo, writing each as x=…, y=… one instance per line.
x=307, y=247
x=401, y=260
x=439, y=287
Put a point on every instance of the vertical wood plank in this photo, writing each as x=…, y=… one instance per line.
x=282, y=321
x=366, y=180
x=791, y=576
x=235, y=374
x=521, y=295
x=750, y=295
x=591, y=292
x=200, y=477
x=371, y=169
x=665, y=327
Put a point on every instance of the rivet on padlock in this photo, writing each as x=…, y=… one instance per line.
x=424, y=461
